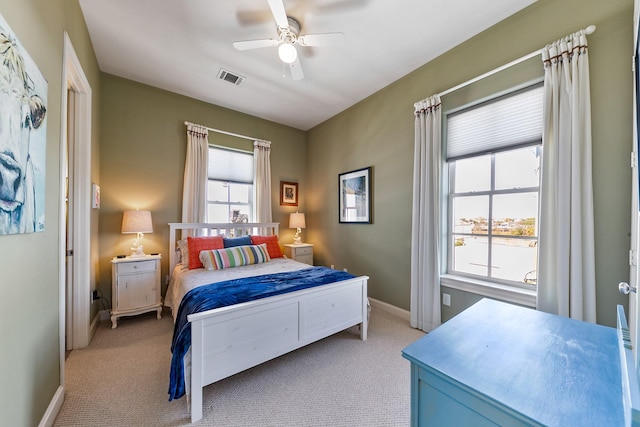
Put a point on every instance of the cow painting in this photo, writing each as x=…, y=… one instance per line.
x=22, y=115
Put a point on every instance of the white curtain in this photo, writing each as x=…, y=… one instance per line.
x=194, y=193
x=425, y=236
x=566, y=273
x=262, y=180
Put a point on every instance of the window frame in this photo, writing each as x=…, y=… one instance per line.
x=518, y=292
x=229, y=203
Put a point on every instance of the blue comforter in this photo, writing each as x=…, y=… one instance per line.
x=231, y=292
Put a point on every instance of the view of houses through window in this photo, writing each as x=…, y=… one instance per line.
x=494, y=214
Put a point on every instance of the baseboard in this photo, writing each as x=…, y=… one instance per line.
x=94, y=326
x=391, y=309
x=52, y=411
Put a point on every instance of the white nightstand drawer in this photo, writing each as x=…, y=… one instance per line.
x=307, y=259
x=300, y=253
x=136, y=267
x=307, y=250
x=135, y=286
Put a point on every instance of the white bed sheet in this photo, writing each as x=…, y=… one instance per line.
x=182, y=281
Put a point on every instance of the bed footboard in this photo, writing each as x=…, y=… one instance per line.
x=229, y=340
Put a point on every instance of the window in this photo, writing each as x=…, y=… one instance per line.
x=493, y=153
x=230, y=186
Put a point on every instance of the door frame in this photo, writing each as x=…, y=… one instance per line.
x=74, y=79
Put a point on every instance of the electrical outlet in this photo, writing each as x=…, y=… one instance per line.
x=446, y=299
x=94, y=295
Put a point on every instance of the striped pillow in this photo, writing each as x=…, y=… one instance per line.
x=217, y=259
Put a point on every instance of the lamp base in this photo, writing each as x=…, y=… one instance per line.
x=297, y=240
x=137, y=252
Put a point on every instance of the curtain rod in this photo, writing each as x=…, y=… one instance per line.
x=225, y=132
x=589, y=30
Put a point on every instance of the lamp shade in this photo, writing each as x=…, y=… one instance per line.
x=136, y=222
x=296, y=220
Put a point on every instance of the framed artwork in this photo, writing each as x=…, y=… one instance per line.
x=354, y=193
x=23, y=139
x=288, y=193
x=95, y=200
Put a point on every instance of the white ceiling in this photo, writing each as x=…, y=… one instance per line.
x=180, y=46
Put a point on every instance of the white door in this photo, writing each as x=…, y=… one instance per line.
x=634, y=323
x=75, y=213
x=69, y=222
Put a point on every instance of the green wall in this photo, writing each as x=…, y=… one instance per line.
x=142, y=161
x=379, y=132
x=29, y=307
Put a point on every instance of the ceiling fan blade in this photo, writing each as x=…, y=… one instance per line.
x=280, y=15
x=254, y=44
x=325, y=39
x=296, y=70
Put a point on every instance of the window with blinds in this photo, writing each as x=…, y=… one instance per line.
x=493, y=151
x=513, y=120
x=230, y=185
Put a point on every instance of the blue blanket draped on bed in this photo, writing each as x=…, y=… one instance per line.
x=231, y=292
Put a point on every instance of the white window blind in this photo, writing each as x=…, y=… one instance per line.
x=506, y=122
x=230, y=165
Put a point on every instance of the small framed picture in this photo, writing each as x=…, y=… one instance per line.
x=288, y=193
x=354, y=193
x=95, y=200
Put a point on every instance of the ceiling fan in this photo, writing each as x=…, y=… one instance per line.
x=289, y=32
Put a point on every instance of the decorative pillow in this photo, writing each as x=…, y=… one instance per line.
x=198, y=244
x=182, y=252
x=230, y=242
x=235, y=256
x=272, y=245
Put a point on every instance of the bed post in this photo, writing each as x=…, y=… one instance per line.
x=196, y=371
x=365, y=311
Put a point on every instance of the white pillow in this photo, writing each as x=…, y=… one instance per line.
x=183, y=249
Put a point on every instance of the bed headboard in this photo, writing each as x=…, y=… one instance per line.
x=177, y=231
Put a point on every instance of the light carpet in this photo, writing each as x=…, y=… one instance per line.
x=122, y=379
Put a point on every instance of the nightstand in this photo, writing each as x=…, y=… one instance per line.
x=301, y=253
x=135, y=286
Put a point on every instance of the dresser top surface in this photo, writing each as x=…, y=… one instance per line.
x=551, y=369
x=117, y=260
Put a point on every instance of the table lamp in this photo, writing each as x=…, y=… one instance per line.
x=296, y=220
x=137, y=222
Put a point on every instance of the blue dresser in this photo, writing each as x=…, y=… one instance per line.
x=500, y=364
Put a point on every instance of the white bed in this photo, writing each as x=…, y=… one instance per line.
x=228, y=340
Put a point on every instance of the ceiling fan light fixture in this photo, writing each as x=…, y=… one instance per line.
x=287, y=53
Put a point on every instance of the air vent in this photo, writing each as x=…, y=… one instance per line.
x=228, y=76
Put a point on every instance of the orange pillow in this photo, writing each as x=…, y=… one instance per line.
x=272, y=245
x=197, y=244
